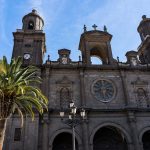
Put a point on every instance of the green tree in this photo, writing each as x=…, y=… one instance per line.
x=18, y=92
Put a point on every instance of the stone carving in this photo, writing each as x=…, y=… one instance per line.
x=64, y=91
x=103, y=90
x=141, y=97
x=65, y=97
x=140, y=90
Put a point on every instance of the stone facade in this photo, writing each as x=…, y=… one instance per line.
x=114, y=94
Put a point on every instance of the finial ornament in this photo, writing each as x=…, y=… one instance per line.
x=118, y=59
x=94, y=26
x=144, y=17
x=105, y=28
x=48, y=58
x=34, y=10
x=79, y=58
x=84, y=28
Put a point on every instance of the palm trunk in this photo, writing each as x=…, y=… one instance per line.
x=2, y=131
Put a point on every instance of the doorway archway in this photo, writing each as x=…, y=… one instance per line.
x=146, y=140
x=63, y=141
x=109, y=138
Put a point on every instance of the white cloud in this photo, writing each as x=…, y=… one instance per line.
x=117, y=12
x=64, y=20
x=122, y=18
x=48, y=9
x=36, y=3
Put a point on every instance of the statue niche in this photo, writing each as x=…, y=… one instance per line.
x=142, y=97
x=64, y=91
x=141, y=92
x=65, y=97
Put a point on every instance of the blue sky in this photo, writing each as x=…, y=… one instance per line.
x=64, y=20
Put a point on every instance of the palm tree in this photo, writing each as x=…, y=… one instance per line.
x=18, y=92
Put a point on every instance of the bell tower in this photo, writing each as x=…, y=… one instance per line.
x=144, y=48
x=96, y=43
x=29, y=42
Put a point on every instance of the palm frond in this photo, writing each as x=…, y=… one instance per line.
x=20, y=85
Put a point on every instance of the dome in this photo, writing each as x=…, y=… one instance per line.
x=32, y=21
x=144, y=27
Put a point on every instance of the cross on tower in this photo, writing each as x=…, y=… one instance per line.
x=94, y=26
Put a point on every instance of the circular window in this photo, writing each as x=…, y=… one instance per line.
x=103, y=90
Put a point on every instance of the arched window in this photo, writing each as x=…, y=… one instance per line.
x=31, y=25
x=65, y=97
x=101, y=54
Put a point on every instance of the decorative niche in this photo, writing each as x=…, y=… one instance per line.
x=64, y=92
x=140, y=88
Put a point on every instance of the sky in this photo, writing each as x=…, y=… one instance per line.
x=64, y=21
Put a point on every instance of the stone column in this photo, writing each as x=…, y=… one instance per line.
x=82, y=88
x=133, y=127
x=45, y=87
x=45, y=133
x=86, y=59
x=40, y=136
x=130, y=146
x=85, y=136
x=124, y=86
x=91, y=146
x=141, y=146
x=110, y=58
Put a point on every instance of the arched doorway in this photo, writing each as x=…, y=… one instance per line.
x=63, y=141
x=146, y=140
x=100, y=52
x=96, y=60
x=109, y=138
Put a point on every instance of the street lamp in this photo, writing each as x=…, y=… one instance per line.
x=72, y=121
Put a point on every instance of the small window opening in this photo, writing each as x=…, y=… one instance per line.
x=31, y=25
x=27, y=45
x=17, y=134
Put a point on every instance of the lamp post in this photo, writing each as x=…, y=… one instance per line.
x=72, y=121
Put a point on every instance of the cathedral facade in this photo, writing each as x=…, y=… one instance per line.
x=115, y=95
